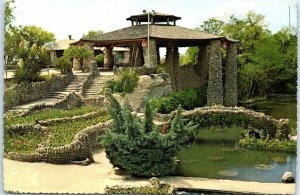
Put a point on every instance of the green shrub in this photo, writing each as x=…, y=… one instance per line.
x=64, y=65
x=99, y=59
x=271, y=145
x=31, y=62
x=125, y=82
x=138, y=146
x=188, y=99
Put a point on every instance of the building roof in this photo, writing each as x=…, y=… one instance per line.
x=140, y=32
x=60, y=45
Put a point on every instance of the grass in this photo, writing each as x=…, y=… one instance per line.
x=48, y=114
x=61, y=134
x=26, y=142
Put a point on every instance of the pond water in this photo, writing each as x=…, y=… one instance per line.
x=223, y=159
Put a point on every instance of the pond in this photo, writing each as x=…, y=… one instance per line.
x=216, y=153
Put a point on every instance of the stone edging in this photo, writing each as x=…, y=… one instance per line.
x=85, y=83
x=78, y=151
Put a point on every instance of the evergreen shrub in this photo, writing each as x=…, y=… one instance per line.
x=137, y=146
x=125, y=82
x=64, y=65
x=189, y=99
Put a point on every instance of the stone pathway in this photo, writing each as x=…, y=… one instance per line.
x=54, y=96
x=96, y=84
x=49, y=178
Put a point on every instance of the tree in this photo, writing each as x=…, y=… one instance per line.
x=31, y=62
x=212, y=26
x=9, y=17
x=36, y=35
x=78, y=52
x=91, y=34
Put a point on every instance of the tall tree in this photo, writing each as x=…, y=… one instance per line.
x=36, y=35
x=92, y=33
x=212, y=26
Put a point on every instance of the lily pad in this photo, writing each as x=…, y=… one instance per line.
x=280, y=159
x=227, y=172
x=262, y=166
x=215, y=157
x=228, y=149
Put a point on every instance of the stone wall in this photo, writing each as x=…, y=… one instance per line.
x=27, y=92
x=187, y=78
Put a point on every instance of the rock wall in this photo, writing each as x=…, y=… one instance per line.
x=26, y=92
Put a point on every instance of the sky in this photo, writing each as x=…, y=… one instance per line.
x=76, y=17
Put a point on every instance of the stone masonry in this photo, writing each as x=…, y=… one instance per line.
x=215, y=81
x=230, y=93
x=153, y=54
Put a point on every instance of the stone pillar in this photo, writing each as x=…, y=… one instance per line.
x=201, y=67
x=76, y=64
x=230, y=92
x=215, y=81
x=108, y=58
x=86, y=65
x=158, y=55
x=152, y=53
x=172, y=65
x=176, y=68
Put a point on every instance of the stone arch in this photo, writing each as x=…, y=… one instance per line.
x=240, y=116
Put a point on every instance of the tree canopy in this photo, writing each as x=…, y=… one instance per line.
x=92, y=33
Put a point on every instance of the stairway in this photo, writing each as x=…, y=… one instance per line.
x=95, y=86
x=72, y=87
x=53, y=97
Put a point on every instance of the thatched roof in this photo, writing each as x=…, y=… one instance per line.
x=162, y=32
x=60, y=45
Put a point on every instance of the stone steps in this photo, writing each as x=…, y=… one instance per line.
x=95, y=86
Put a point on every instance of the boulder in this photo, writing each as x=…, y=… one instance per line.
x=288, y=177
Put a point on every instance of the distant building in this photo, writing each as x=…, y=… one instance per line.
x=56, y=50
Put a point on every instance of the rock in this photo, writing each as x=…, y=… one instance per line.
x=288, y=177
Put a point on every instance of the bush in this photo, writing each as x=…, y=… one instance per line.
x=64, y=65
x=31, y=62
x=125, y=82
x=138, y=146
x=99, y=59
x=270, y=145
x=188, y=99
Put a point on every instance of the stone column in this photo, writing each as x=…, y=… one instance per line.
x=158, y=55
x=152, y=53
x=76, y=64
x=230, y=92
x=201, y=67
x=86, y=66
x=108, y=58
x=215, y=81
x=176, y=67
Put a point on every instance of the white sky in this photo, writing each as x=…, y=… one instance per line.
x=75, y=17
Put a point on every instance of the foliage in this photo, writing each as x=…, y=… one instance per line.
x=271, y=145
x=125, y=82
x=140, y=151
x=190, y=56
x=63, y=133
x=188, y=99
x=31, y=62
x=78, y=52
x=64, y=65
x=148, y=189
x=48, y=114
x=212, y=26
x=99, y=58
x=25, y=142
x=92, y=34
x=29, y=35
x=9, y=17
